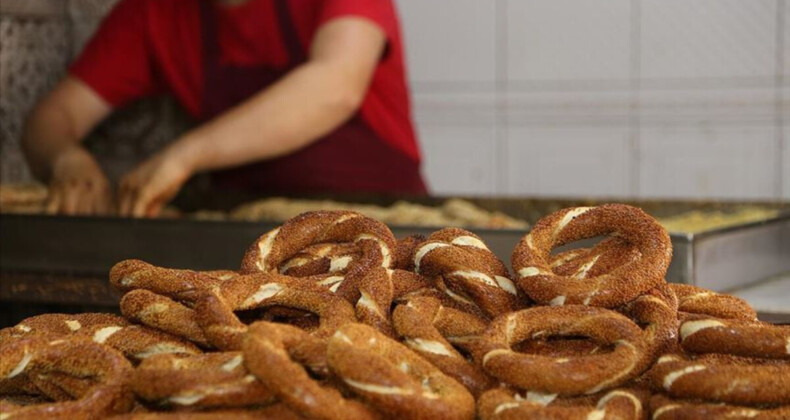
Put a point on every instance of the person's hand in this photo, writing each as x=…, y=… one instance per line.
x=78, y=186
x=146, y=189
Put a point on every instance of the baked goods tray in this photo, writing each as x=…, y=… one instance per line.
x=720, y=259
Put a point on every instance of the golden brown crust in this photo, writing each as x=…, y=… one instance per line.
x=740, y=338
x=405, y=250
x=416, y=323
x=469, y=271
x=657, y=312
x=178, y=284
x=664, y=408
x=271, y=353
x=504, y=404
x=723, y=378
x=212, y=380
x=273, y=412
x=74, y=356
x=270, y=251
x=699, y=301
x=164, y=314
x=532, y=261
x=395, y=380
x=223, y=329
x=134, y=341
x=566, y=375
x=605, y=256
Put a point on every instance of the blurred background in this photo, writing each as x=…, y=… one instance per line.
x=622, y=98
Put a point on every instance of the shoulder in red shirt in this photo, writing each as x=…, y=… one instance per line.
x=147, y=47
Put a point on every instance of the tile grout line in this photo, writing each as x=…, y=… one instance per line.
x=634, y=120
x=782, y=166
x=501, y=184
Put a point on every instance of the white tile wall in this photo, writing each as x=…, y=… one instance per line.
x=460, y=159
x=708, y=161
x=449, y=41
x=708, y=38
x=786, y=42
x=568, y=40
x=578, y=161
x=786, y=159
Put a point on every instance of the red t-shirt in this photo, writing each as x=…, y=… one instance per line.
x=147, y=47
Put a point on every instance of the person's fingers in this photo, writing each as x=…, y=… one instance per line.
x=103, y=202
x=127, y=197
x=127, y=202
x=87, y=196
x=54, y=200
x=154, y=208
x=71, y=199
x=141, y=204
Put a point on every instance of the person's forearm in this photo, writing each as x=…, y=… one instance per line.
x=48, y=132
x=309, y=102
x=59, y=122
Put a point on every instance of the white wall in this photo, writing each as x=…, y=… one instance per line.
x=646, y=98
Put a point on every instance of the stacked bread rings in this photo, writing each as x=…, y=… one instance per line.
x=331, y=317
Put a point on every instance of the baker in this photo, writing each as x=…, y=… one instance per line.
x=300, y=96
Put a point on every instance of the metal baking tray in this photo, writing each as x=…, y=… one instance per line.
x=720, y=259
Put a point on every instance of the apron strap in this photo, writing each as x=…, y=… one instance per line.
x=289, y=34
x=211, y=54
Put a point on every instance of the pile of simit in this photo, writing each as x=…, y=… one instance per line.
x=331, y=317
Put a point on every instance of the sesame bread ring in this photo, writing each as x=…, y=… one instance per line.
x=723, y=378
x=202, y=381
x=273, y=250
x=277, y=411
x=731, y=336
x=657, y=310
x=621, y=404
x=178, y=284
x=134, y=341
x=162, y=298
x=320, y=259
x=162, y=313
x=394, y=379
x=468, y=269
x=75, y=356
x=664, y=408
x=696, y=300
x=559, y=347
x=605, y=256
x=271, y=354
x=137, y=342
x=416, y=323
x=60, y=386
x=405, y=250
x=532, y=260
x=224, y=330
x=566, y=376
x=59, y=324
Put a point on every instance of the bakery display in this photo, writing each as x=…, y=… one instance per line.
x=700, y=221
x=31, y=199
x=453, y=212
x=690, y=218
x=331, y=317
x=23, y=198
